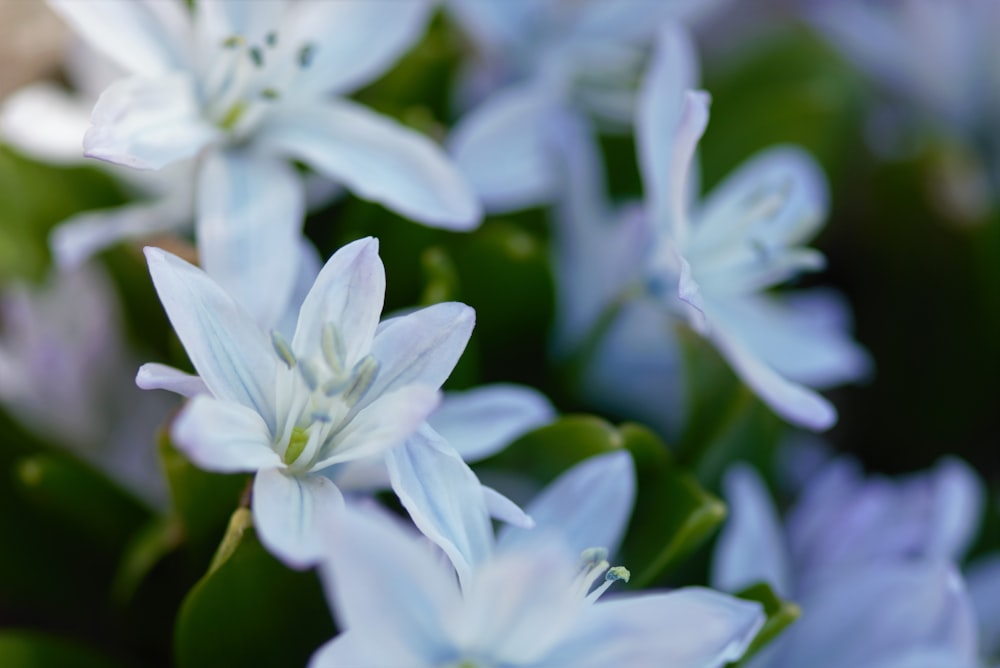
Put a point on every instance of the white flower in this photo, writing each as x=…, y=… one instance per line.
x=248, y=87
x=345, y=388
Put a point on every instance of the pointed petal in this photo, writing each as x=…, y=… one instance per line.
x=227, y=349
x=792, y=401
x=223, y=436
x=686, y=628
x=587, y=506
x=149, y=123
x=44, y=121
x=421, y=347
x=292, y=513
x=444, y=499
x=751, y=547
x=503, y=509
x=79, y=237
x=670, y=121
x=355, y=40
x=377, y=158
x=349, y=293
x=481, y=421
x=503, y=147
x=250, y=213
x=386, y=583
x=353, y=649
x=384, y=423
x=147, y=37
x=154, y=376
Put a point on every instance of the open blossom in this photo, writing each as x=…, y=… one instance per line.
x=532, y=602
x=249, y=87
x=344, y=388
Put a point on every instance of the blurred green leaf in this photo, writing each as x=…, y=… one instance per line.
x=673, y=515
x=250, y=609
x=780, y=615
x=441, y=278
x=26, y=649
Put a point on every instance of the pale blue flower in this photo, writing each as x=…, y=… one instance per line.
x=64, y=374
x=248, y=87
x=536, y=59
x=530, y=603
x=345, y=388
x=870, y=562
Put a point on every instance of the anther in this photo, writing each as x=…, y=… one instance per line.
x=233, y=41
x=256, y=55
x=270, y=94
x=306, y=54
x=308, y=373
x=616, y=573
x=333, y=348
x=361, y=379
x=282, y=348
x=271, y=39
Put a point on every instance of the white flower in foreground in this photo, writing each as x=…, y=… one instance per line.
x=532, y=603
x=248, y=88
x=345, y=388
x=715, y=260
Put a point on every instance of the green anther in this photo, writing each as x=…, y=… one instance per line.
x=361, y=380
x=233, y=41
x=232, y=116
x=270, y=94
x=333, y=386
x=282, y=348
x=593, y=556
x=333, y=347
x=296, y=444
x=271, y=39
x=617, y=573
x=308, y=373
x=306, y=54
x=257, y=56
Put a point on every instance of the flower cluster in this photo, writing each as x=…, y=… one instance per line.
x=402, y=268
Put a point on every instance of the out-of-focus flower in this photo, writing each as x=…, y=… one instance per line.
x=247, y=88
x=872, y=561
x=531, y=603
x=709, y=264
x=345, y=388
x=64, y=373
x=536, y=59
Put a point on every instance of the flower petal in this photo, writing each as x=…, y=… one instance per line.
x=147, y=37
x=218, y=20
x=154, y=376
x=377, y=158
x=670, y=121
x=354, y=40
x=228, y=350
x=250, y=212
x=587, y=506
x=44, y=121
x=422, y=346
x=348, y=293
x=481, y=421
x=686, y=628
x=751, y=547
x=503, y=148
x=291, y=514
x=443, y=497
x=384, y=423
x=983, y=578
x=223, y=436
x=149, y=123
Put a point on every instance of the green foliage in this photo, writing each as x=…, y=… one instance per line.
x=24, y=649
x=780, y=615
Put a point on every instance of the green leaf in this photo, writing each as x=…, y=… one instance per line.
x=673, y=515
x=250, y=609
x=780, y=615
x=157, y=539
x=26, y=649
x=81, y=496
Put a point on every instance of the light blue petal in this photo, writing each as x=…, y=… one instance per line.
x=292, y=514
x=497, y=25
x=223, y=436
x=353, y=649
x=587, y=506
x=669, y=125
x=218, y=20
x=480, y=422
x=250, y=213
x=354, y=40
x=149, y=123
x=348, y=293
x=983, y=578
x=45, y=121
x=154, y=376
x=444, y=498
x=377, y=158
x=503, y=509
x=422, y=346
x=503, y=147
x=686, y=628
x=751, y=547
x=229, y=352
x=147, y=37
